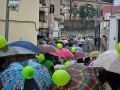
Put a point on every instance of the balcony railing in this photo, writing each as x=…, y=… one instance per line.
x=41, y=20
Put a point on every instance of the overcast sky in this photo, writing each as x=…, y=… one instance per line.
x=117, y=1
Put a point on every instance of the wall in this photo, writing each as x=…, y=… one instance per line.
x=113, y=33
x=23, y=24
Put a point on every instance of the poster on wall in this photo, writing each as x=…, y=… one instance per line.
x=14, y=5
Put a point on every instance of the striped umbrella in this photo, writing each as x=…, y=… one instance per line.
x=82, y=78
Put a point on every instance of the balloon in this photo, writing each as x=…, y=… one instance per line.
x=118, y=48
x=67, y=63
x=61, y=77
x=46, y=38
x=59, y=45
x=3, y=42
x=28, y=72
x=41, y=57
x=73, y=50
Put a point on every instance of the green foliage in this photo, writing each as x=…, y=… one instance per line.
x=89, y=9
x=74, y=10
x=66, y=27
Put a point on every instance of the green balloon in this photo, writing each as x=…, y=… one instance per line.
x=59, y=45
x=61, y=77
x=73, y=50
x=46, y=38
x=28, y=72
x=3, y=42
x=41, y=57
x=67, y=63
x=118, y=48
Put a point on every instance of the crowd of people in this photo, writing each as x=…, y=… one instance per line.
x=99, y=77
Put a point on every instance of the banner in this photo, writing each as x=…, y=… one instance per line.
x=14, y=5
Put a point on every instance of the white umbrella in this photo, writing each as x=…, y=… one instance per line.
x=110, y=60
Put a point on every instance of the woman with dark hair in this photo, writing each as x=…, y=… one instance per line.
x=3, y=65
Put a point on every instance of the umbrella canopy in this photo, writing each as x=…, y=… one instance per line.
x=48, y=48
x=94, y=54
x=12, y=78
x=82, y=78
x=15, y=50
x=110, y=60
x=78, y=48
x=65, y=53
x=25, y=44
x=80, y=54
x=16, y=53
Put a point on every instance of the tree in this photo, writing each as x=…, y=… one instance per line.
x=86, y=10
x=74, y=10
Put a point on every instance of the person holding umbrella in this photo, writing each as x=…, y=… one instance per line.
x=47, y=61
x=25, y=75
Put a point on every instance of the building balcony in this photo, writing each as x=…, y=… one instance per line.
x=61, y=26
x=43, y=9
x=62, y=16
x=61, y=6
x=43, y=24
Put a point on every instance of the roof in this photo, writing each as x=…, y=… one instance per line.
x=109, y=9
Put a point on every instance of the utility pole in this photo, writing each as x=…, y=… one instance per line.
x=7, y=21
x=98, y=29
x=71, y=1
x=85, y=21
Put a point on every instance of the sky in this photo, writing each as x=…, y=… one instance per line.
x=117, y=1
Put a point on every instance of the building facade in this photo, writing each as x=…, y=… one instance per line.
x=24, y=24
x=58, y=18
x=46, y=19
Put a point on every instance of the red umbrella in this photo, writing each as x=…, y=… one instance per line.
x=59, y=54
x=65, y=53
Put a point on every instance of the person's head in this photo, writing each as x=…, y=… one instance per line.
x=49, y=56
x=3, y=64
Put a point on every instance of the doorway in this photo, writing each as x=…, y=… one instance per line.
x=118, y=31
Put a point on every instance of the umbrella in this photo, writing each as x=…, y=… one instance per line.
x=80, y=54
x=15, y=50
x=65, y=53
x=110, y=60
x=17, y=53
x=82, y=78
x=12, y=78
x=78, y=48
x=25, y=44
x=94, y=54
x=48, y=48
